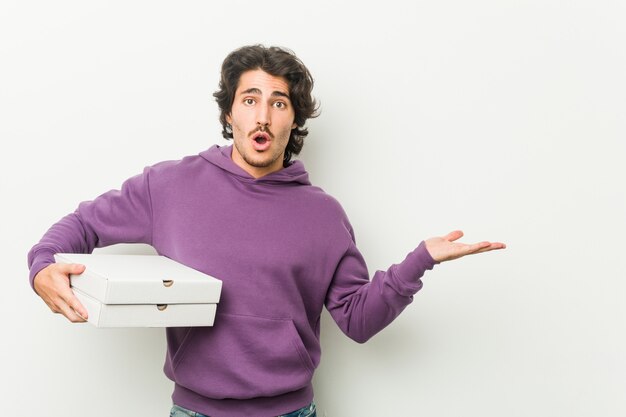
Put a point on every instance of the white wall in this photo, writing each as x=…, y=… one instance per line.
x=503, y=118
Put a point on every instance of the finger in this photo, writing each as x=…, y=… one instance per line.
x=72, y=308
x=83, y=319
x=78, y=308
x=487, y=246
x=498, y=245
x=63, y=308
x=68, y=298
x=69, y=305
x=72, y=315
x=51, y=306
x=494, y=246
x=452, y=236
x=71, y=269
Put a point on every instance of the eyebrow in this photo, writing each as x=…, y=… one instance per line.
x=257, y=91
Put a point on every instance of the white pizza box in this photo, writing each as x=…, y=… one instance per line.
x=141, y=279
x=146, y=315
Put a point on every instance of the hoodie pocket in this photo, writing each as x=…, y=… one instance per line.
x=243, y=357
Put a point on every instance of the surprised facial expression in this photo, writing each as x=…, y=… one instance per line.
x=262, y=119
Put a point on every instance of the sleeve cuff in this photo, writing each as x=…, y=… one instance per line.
x=35, y=268
x=415, y=264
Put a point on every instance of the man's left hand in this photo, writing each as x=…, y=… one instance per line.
x=446, y=248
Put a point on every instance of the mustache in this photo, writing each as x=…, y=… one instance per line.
x=264, y=129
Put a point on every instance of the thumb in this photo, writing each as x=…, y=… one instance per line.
x=72, y=268
x=455, y=235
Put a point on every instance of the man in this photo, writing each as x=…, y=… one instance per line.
x=248, y=215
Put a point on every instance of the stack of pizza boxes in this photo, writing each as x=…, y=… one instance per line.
x=143, y=291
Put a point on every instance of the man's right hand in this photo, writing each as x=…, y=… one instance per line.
x=53, y=285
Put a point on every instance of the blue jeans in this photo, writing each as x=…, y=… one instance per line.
x=308, y=411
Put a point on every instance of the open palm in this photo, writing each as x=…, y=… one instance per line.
x=447, y=248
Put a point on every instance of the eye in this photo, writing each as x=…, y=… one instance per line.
x=280, y=105
x=249, y=101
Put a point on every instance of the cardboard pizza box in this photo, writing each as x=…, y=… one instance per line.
x=146, y=315
x=141, y=279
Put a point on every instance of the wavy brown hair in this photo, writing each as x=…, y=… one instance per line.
x=279, y=62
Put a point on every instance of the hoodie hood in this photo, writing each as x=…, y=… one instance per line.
x=220, y=156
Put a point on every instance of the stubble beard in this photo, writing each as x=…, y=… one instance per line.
x=258, y=163
x=264, y=161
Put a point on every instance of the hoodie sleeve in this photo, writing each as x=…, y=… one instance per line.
x=360, y=307
x=118, y=216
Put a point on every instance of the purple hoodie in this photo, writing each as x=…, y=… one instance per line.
x=283, y=249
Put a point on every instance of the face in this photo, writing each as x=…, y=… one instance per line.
x=262, y=119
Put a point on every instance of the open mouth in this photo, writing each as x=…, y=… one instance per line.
x=261, y=141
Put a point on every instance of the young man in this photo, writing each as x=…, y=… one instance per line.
x=248, y=215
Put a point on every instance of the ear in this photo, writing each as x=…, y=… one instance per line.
x=229, y=119
x=294, y=125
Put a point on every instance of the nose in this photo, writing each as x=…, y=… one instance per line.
x=263, y=115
